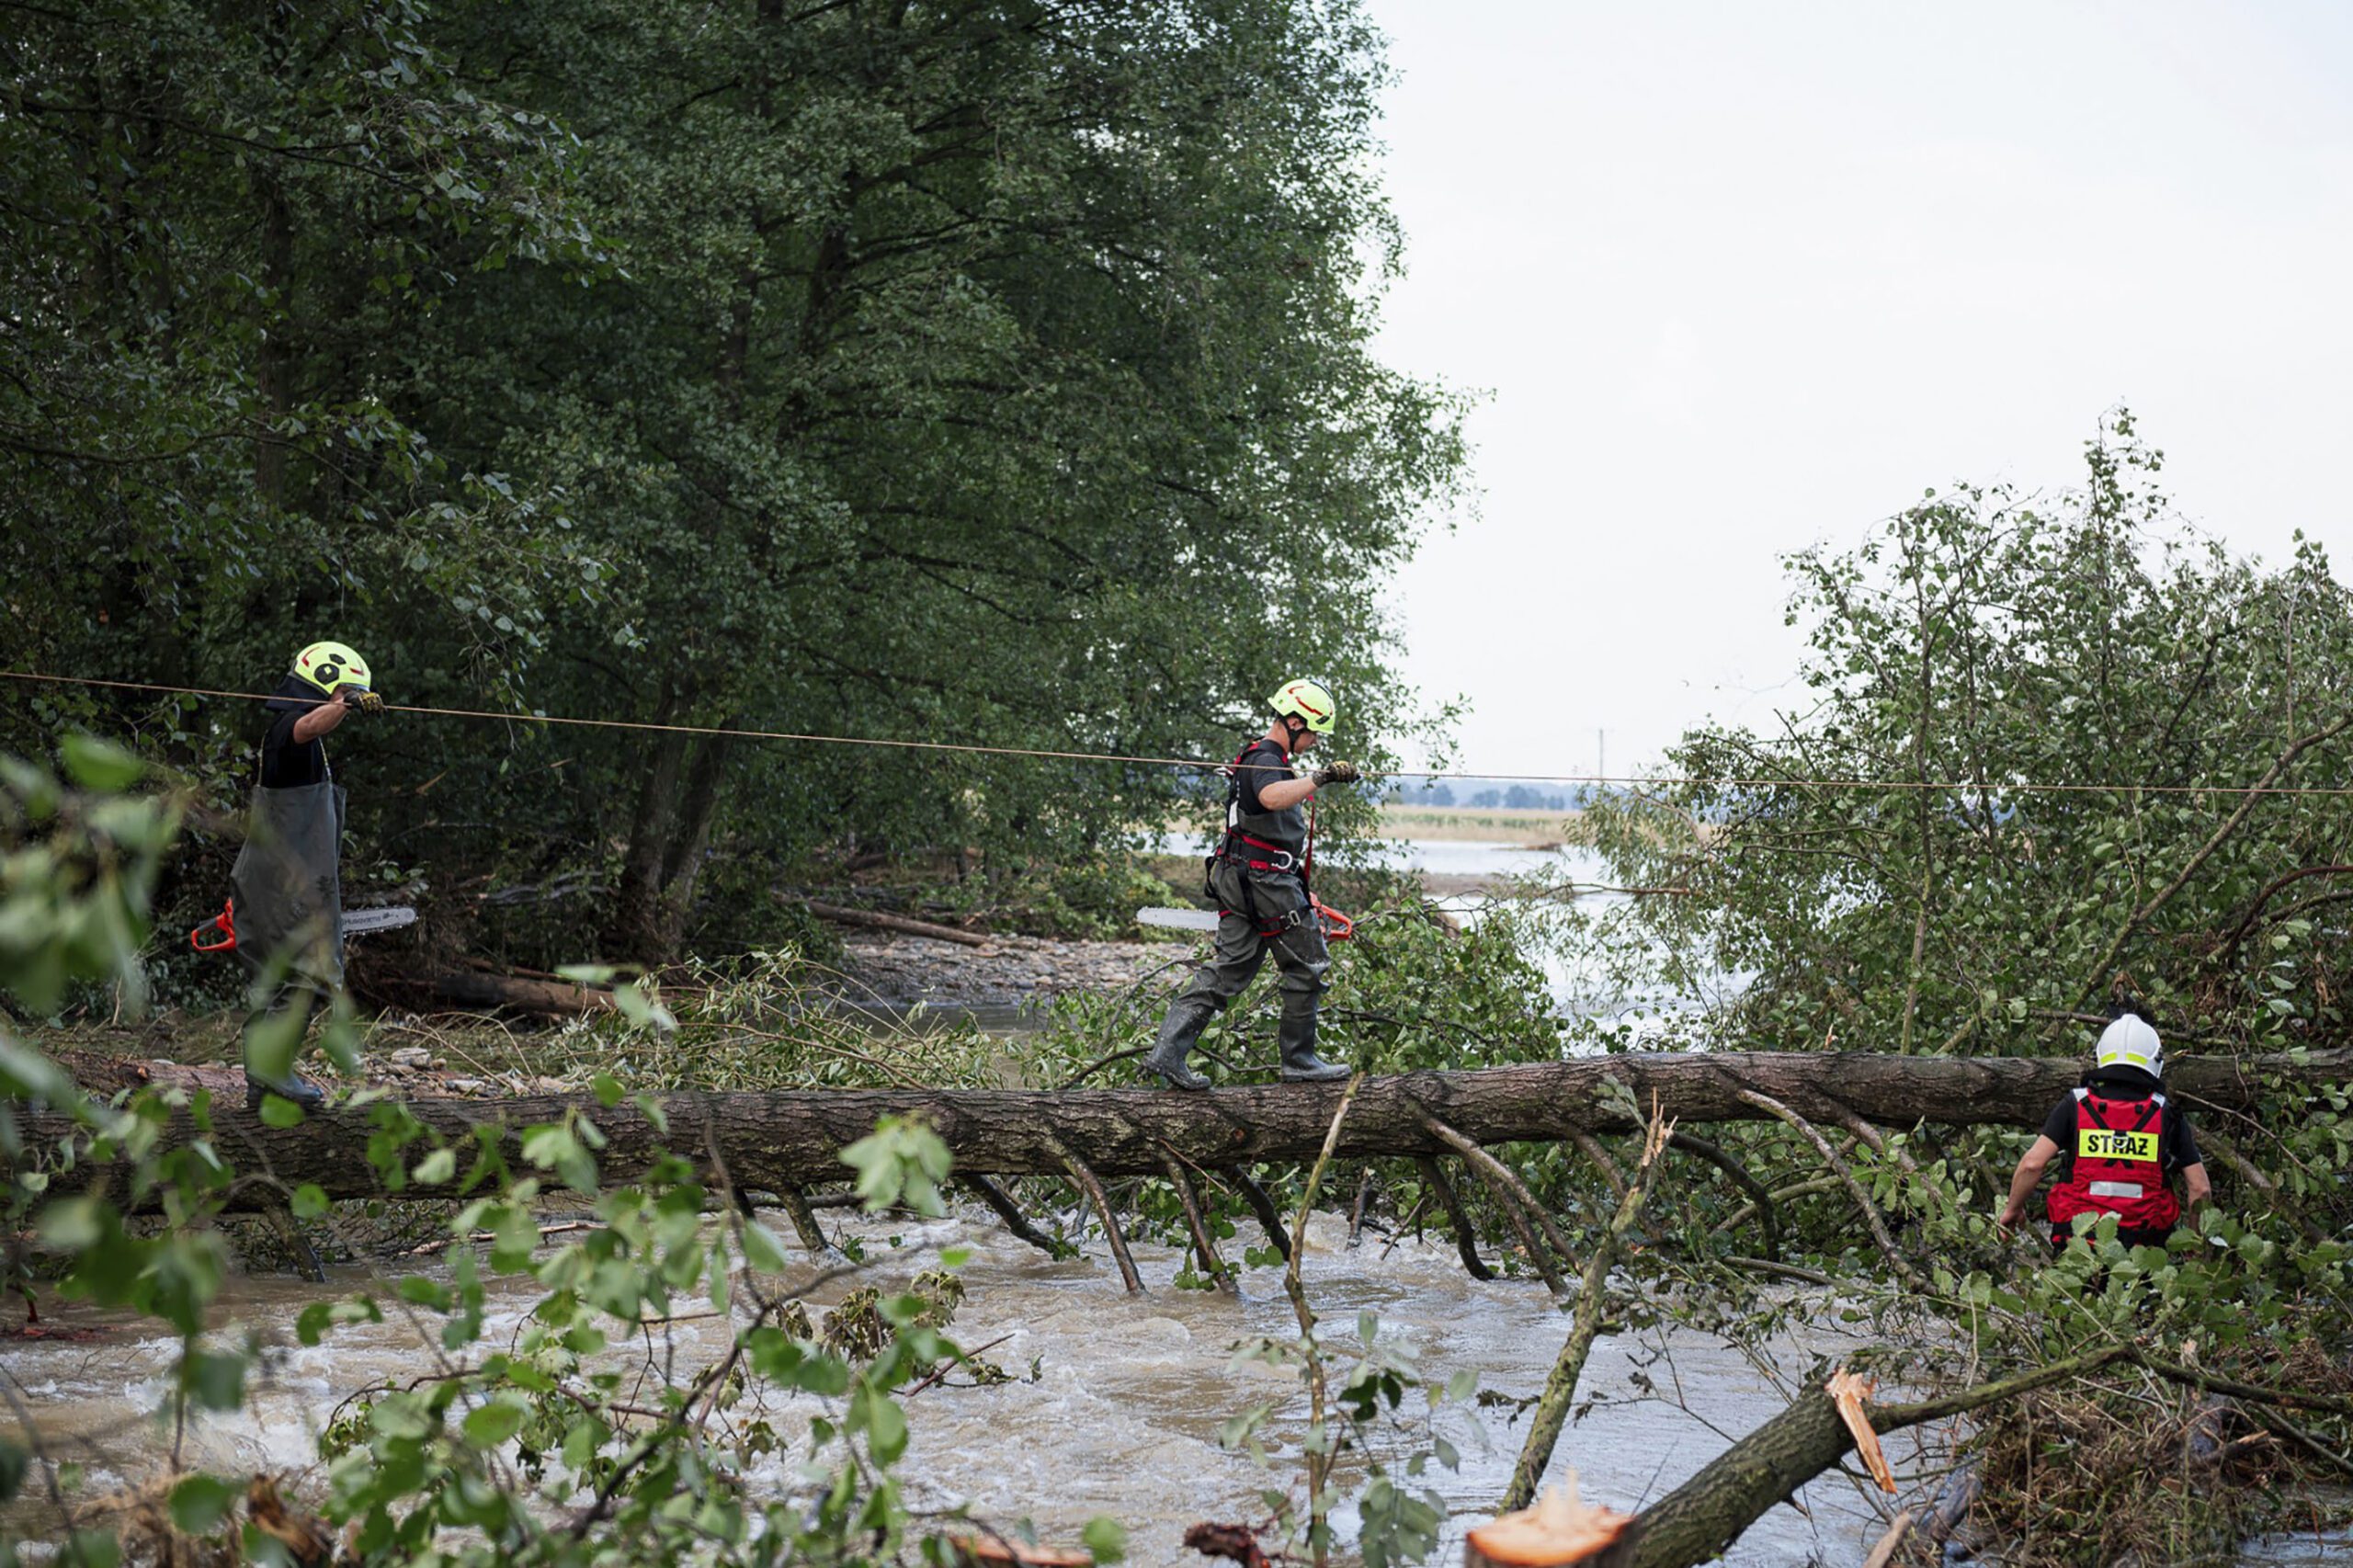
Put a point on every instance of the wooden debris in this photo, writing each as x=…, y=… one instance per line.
x=879, y=921
x=1851, y=1393
x=1891, y=1542
x=306, y=1539
x=1560, y=1529
x=1231, y=1543
x=986, y=1551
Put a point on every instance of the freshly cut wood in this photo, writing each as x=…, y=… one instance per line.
x=766, y=1140
x=1561, y=1528
x=1851, y=1395
x=988, y=1551
x=842, y=916
x=1695, y=1522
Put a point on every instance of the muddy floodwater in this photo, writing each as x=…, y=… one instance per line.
x=1117, y=1400
x=1120, y=1417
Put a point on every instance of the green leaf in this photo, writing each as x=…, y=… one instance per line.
x=94, y=1548
x=215, y=1381
x=309, y=1201
x=312, y=1324
x=100, y=765
x=763, y=1249
x=29, y=1074
x=886, y=1427
x=418, y=1290
x=277, y=1110
x=199, y=1503
x=436, y=1167
x=270, y=1043
x=1106, y=1537
x=488, y=1425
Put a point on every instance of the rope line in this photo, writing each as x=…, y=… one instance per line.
x=1760, y=782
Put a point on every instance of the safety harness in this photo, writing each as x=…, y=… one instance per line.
x=2120, y=1166
x=1237, y=849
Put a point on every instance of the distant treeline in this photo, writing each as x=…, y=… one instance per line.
x=985, y=373
x=1490, y=794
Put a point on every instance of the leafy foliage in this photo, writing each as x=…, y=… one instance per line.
x=995, y=373
x=542, y=1443
x=1978, y=643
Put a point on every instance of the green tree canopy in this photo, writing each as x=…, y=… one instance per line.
x=992, y=372
x=1879, y=867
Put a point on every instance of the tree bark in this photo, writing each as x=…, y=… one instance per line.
x=1695, y=1522
x=881, y=922
x=766, y=1141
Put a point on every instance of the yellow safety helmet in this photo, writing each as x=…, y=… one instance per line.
x=2130, y=1043
x=1307, y=698
x=331, y=664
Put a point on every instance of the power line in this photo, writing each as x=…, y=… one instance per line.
x=1728, y=782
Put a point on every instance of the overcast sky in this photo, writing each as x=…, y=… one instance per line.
x=1734, y=278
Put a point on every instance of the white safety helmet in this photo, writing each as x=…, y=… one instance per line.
x=2130, y=1043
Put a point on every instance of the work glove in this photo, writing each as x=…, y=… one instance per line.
x=362, y=700
x=1336, y=773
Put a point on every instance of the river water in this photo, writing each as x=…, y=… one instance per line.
x=1120, y=1415
x=1118, y=1399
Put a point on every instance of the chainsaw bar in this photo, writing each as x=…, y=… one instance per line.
x=391, y=917
x=1178, y=919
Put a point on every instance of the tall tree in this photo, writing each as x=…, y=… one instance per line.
x=990, y=371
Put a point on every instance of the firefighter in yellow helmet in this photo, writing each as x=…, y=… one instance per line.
x=1258, y=876
x=287, y=879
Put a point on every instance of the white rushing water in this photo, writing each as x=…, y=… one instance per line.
x=1123, y=1412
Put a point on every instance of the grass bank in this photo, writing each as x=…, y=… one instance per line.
x=1477, y=825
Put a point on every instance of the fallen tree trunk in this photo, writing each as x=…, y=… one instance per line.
x=473, y=989
x=1694, y=1523
x=842, y=916
x=792, y=1138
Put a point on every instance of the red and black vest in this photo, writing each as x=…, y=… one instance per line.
x=2120, y=1165
x=1276, y=838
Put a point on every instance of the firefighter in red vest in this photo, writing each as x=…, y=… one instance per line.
x=2118, y=1139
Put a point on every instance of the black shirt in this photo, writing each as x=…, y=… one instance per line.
x=1263, y=764
x=2175, y=1148
x=286, y=763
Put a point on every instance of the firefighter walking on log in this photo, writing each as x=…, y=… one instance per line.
x=1258, y=874
x=2118, y=1140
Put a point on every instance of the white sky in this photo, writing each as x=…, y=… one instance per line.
x=1738, y=277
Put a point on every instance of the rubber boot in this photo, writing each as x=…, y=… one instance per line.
x=302, y=1091
x=1300, y=1064
x=1175, y=1044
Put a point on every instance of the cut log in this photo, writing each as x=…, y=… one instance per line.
x=1560, y=1529
x=475, y=991
x=877, y=920
x=766, y=1140
x=993, y=1552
